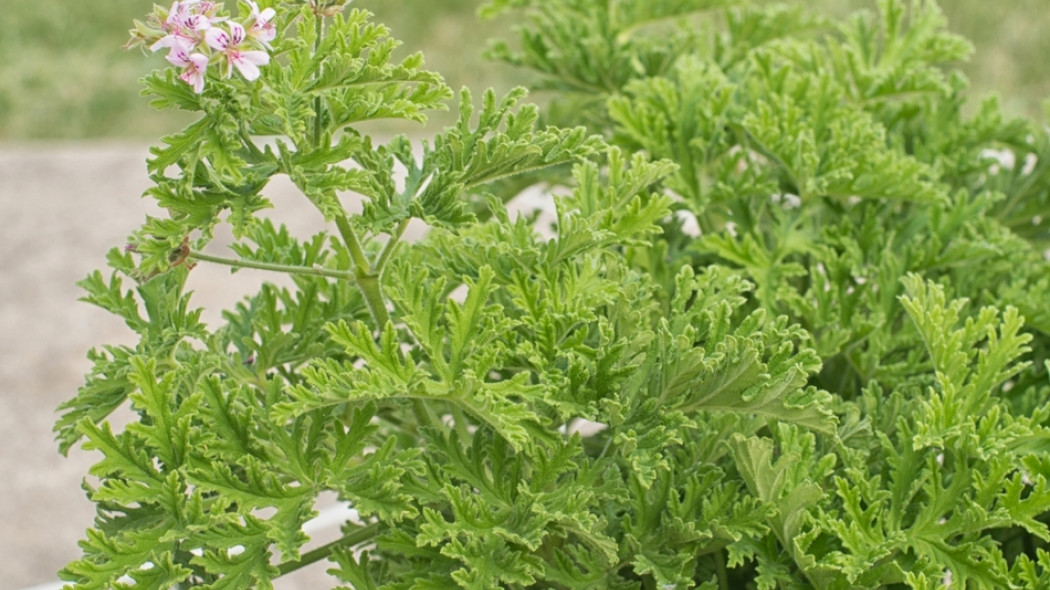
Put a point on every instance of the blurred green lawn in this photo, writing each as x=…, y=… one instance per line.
x=63, y=74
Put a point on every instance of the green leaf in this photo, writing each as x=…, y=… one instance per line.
x=240, y=557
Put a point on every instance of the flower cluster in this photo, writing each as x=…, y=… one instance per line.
x=196, y=36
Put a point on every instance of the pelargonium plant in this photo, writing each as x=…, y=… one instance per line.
x=787, y=329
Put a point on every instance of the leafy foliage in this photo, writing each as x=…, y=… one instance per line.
x=785, y=327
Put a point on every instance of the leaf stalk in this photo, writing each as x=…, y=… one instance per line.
x=273, y=267
x=350, y=539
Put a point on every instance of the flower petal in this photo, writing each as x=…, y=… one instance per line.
x=171, y=41
x=197, y=22
x=178, y=57
x=218, y=39
x=199, y=60
x=248, y=62
x=259, y=58
x=194, y=75
x=237, y=33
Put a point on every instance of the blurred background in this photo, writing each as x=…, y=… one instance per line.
x=63, y=74
x=74, y=135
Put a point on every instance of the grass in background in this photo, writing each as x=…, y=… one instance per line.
x=65, y=75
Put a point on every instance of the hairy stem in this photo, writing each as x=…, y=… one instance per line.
x=373, y=293
x=425, y=415
x=388, y=249
x=353, y=245
x=274, y=267
x=365, y=276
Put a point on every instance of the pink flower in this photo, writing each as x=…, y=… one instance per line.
x=179, y=15
x=194, y=73
x=222, y=40
x=180, y=49
x=175, y=16
x=186, y=22
x=173, y=41
x=198, y=23
x=196, y=35
x=195, y=64
x=229, y=43
x=262, y=27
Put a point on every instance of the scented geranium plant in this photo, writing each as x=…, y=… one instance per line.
x=787, y=329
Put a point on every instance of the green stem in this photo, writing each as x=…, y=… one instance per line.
x=460, y=423
x=353, y=245
x=319, y=34
x=474, y=183
x=720, y=565
x=246, y=137
x=270, y=266
x=366, y=278
x=348, y=540
x=364, y=275
x=388, y=249
x=373, y=293
x=424, y=414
